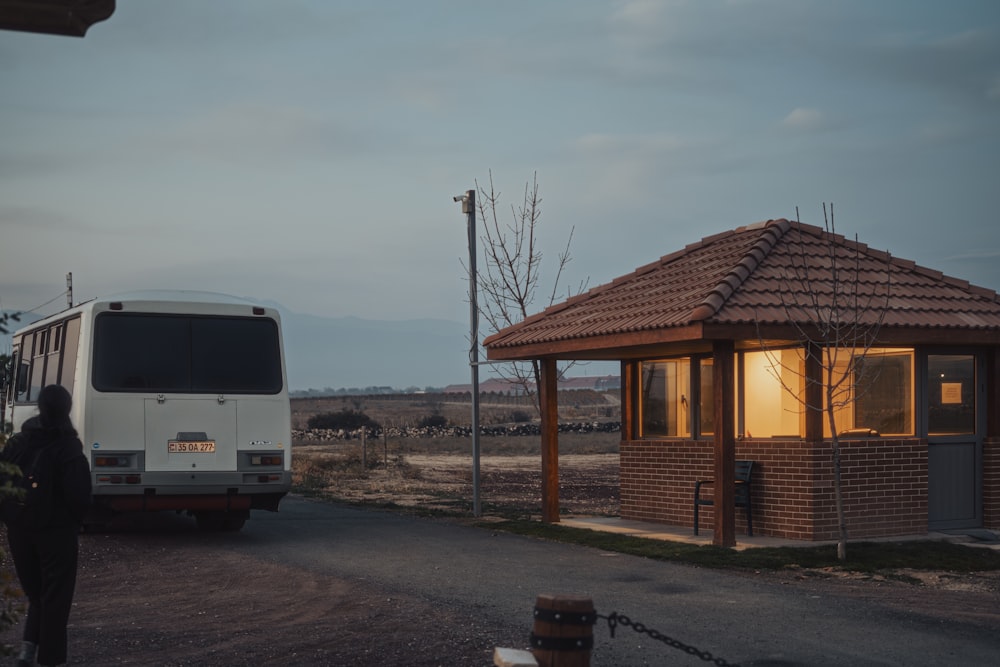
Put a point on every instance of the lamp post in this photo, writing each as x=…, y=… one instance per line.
x=469, y=208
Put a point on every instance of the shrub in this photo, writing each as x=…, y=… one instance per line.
x=11, y=601
x=520, y=417
x=347, y=420
x=433, y=421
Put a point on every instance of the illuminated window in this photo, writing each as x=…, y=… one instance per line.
x=873, y=390
x=773, y=382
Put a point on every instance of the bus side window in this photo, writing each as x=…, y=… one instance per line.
x=23, y=368
x=67, y=366
x=22, y=380
x=53, y=354
x=8, y=379
x=35, y=364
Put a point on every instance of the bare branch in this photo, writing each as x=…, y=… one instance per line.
x=512, y=270
x=838, y=313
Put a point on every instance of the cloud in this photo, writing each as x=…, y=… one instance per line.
x=34, y=217
x=805, y=119
x=624, y=169
x=944, y=132
x=597, y=144
x=239, y=132
x=961, y=63
x=993, y=89
x=642, y=13
x=980, y=254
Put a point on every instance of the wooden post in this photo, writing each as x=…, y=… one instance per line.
x=548, y=402
x=723, y=380
x=628, y=409
x=364, y=448
x=563, y=632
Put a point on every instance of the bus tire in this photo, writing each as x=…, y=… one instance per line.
x=229, y=522
x=233, y=524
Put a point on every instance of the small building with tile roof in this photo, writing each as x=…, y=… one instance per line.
x=727, y=350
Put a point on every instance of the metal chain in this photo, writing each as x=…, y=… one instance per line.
x=616, y=619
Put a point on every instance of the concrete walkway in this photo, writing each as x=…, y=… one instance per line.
x=656, y=531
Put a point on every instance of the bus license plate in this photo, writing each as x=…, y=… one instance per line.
x=191, y=446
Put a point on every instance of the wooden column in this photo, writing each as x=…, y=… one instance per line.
x=549, y=403
x=814, y=392
x=723, y=386
x=993, y=393
x=628, y=392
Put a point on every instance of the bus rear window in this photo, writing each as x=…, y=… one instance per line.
x=186, y=354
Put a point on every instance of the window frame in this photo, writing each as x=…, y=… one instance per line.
x=701, y=399
x=693, y=400
x=184, y=376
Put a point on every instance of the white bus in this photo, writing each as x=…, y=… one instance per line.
x=180, y=399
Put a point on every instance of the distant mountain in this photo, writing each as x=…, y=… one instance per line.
x=347, y=352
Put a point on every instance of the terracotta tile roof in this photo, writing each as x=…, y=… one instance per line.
x=772, y=272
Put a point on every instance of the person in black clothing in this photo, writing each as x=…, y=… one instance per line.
x=44, y=539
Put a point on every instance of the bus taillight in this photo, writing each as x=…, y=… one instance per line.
x=267, y=460
x=106, y=461
x=119, y=479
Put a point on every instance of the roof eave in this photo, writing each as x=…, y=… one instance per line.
x=697, y=337
x=608, y=347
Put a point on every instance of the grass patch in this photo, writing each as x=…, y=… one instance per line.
x=868, y=557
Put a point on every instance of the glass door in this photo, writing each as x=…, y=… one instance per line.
x=954, y=442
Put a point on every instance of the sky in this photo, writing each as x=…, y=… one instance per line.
x=308, y=152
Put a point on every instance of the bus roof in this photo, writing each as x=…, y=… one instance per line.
x=181, y=296
x=166, y=301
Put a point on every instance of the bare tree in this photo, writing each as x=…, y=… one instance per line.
x=837, y=314
x=6, y=369
x=8, y=317
x=513, y=272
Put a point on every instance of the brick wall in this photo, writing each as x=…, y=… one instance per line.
x=991, y=483
x=884, y=482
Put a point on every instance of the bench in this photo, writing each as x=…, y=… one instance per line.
x=741, y=494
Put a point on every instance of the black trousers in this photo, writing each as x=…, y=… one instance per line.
x=45, y=561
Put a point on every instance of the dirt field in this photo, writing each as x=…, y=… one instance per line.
x=509, y=484
x=435, y=473
x=408, y=409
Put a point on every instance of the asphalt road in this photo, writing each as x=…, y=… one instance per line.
x=497, y=576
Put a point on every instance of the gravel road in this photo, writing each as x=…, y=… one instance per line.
x=324, y=584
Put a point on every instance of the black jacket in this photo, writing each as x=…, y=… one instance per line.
x=60, y=453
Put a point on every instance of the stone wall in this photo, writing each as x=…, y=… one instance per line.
x=503, y=430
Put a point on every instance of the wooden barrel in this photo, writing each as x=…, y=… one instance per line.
x=563, y=632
